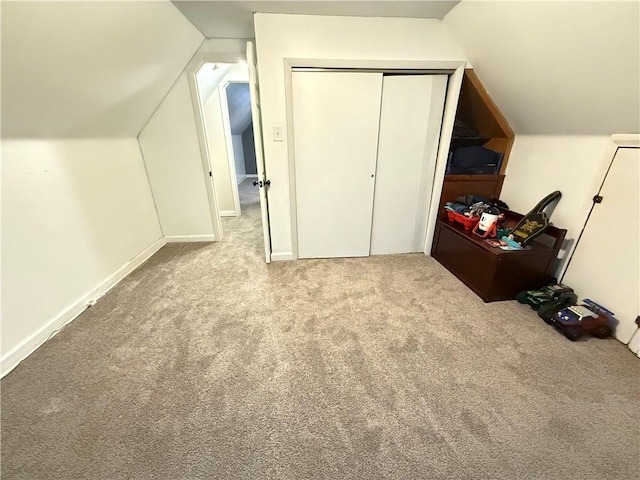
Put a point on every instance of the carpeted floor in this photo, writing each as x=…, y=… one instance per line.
x=207, y=363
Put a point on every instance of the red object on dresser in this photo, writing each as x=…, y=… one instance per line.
x=467, y=222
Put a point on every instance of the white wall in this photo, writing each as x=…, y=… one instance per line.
x=230, y=50
x=556, y=68
x=302, y=36
x=540, y=164
x=169, y=144
x=208, y=79
x=89, y=69
x=238, y=155
x=172, y=154
x=75, y=213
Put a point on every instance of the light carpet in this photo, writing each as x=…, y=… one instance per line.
x=208, y=363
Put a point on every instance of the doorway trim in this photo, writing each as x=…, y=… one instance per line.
x=192, y=68
x=617, y=141
x=455, y=72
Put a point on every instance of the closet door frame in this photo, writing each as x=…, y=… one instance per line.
x=617, y=141
x=453, y=69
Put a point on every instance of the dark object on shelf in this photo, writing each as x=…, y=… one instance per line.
x=462, y=129
x=554, y=295
x=492, y=273
x=499, y=204
x=474, y=160
x=573, y=322
x=464, y=135
x=487, y=186
x=470, y=199
x=535, y=222
x=473, y=198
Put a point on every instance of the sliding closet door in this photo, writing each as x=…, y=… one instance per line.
x=410, y=120
x=335, y=128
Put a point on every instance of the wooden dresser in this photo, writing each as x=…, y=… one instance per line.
x=495, y=274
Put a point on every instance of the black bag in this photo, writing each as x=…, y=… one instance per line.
x=474, y=160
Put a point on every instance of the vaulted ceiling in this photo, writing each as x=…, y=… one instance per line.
x=556, y=68
x=89, y=69
x=100, y=69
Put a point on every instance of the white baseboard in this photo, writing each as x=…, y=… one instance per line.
x=227, y=213
x=241, y=178
x=251, y=175
x=12, y=359
x=280, y=257
x=189, y=238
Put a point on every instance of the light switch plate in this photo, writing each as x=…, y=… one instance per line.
x=277, y=134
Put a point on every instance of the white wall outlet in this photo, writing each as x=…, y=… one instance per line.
x=277, y=134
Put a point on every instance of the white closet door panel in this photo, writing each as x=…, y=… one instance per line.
x=606, y=264
x=410, y=120
x=335, y=128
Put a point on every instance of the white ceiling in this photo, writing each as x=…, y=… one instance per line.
x=89, y=69
x=234, y=19
x=556, y=68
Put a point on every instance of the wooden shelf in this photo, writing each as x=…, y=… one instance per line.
x=477, y=110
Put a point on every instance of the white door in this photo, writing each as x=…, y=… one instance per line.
x=257, y=138
x=605, y=266
x=410, y=121
x=335, y=129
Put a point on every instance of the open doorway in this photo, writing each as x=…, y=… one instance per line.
x=237, y=97
x=224, y=102
x=207, y=75
x=212, y=79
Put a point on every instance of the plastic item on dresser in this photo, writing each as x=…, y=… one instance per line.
x=467, y=222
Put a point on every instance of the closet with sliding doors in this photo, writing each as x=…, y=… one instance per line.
x=365, y=146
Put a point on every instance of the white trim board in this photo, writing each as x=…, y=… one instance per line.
x=196, y=102
x=281, y=257
x=626, y=140
x=189, y=238
x=228, y=213
x=12, y=359
x=240, y=179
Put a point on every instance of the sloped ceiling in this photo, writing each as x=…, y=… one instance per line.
x=556, y=68
x=216, y=19
x=89, y=69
